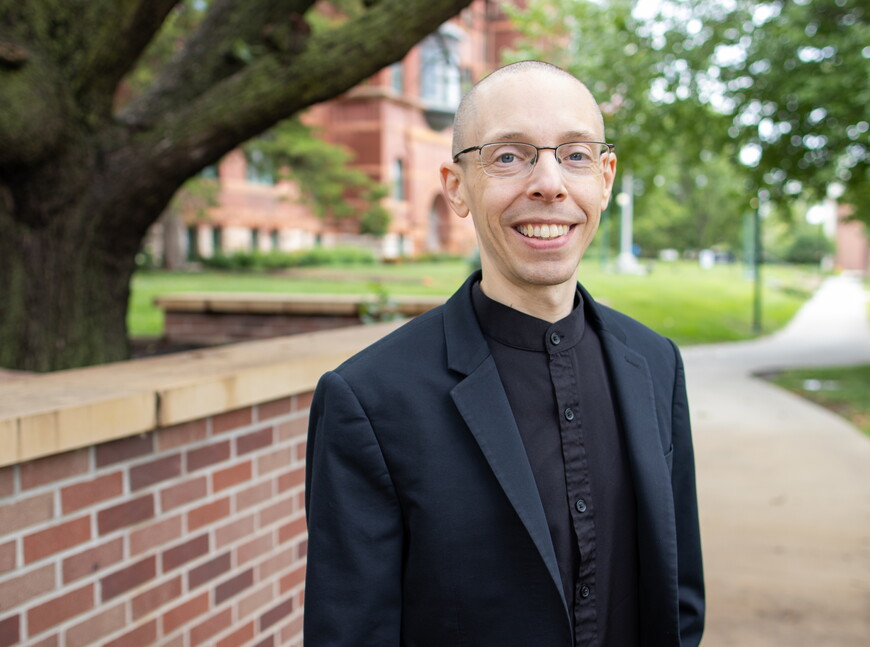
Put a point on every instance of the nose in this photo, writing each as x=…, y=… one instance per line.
x=546, y=181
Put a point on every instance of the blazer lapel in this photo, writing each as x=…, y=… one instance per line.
x=483, y=404
x=635, y=399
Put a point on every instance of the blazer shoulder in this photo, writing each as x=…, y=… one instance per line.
x=656, y=348
x=415, y=340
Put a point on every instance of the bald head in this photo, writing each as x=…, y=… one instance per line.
x=467, y=112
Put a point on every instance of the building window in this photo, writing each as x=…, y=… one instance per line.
x=217, y=240
x=259, y=168
x=275, y=236
x=192, y=243
x=397, y=77
x=398, y=180
x=440, y=78
x=255, y=240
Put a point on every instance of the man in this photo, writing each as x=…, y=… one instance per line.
x=515, y=468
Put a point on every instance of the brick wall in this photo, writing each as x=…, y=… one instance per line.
x=186, y=535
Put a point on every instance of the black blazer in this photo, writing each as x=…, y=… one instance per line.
x=425, y=525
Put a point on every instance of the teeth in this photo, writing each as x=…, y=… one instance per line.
x=543, y=231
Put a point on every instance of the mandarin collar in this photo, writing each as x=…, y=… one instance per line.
x=520, y=330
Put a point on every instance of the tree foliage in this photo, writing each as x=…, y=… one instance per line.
x=329, y=185
x=93, y=146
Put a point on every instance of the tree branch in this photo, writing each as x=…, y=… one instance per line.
x=118, y=31
x=232, y=35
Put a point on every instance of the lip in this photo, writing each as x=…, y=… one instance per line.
x=545, y=243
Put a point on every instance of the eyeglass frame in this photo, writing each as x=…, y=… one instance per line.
x=538, y=149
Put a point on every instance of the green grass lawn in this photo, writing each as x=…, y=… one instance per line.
x=844, y=390
x=679, y=300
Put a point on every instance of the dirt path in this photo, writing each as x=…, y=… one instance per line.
x=784, y=486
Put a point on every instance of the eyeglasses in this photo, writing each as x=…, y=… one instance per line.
x=516, y=159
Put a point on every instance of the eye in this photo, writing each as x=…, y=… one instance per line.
x=576, y=154
x=503, y=155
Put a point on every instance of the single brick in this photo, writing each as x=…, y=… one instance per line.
x=162, y=469
x=178, y=495
x=269, y=641
x=154, y=534
x=254, y=440
x=254, y=549
x=302, y=402
x=208, y=455
x=81, y=495
x=43, y=471
x=156, y=597
x=233, y=586
x=211, y=627
x=7, y=481
x=254, y=602
x=183, y=553
x=20, y=589
x=292, y=429
x=52, y=613
x=292, y=530
x=292, y=630
x=10, y=631
x=231, y=420
x=93, y=560
x=142, y=636
x=208, y=514
x=275, y=408
x=276, y=460
x=18, y=514
x=56, y=539
x=239, y=637
x=253, y=495
x=230, y=476
x=125, y=514
x=124, y=449
x=208, y=571
x=292, y=580
x=276, y=563
x=291, y=479
x=128, y=578
x=91, y=630
x=185, y=612
x=275, y=614
x=185, y=433
x=7, y=556
x=302, y=548
x=278, y=511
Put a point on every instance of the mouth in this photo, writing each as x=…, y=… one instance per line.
x=543, y=232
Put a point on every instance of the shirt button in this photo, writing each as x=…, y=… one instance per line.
x=580, y=505
x=555, y=339
x=584, y=591
x=569, y=414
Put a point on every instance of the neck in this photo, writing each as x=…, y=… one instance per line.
x=548, y=302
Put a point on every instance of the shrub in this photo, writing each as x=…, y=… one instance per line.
x=260, y=261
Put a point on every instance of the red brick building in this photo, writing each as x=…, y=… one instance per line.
x=397, y=125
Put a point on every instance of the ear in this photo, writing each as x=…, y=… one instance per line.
x=609, y=176
x=451, y=186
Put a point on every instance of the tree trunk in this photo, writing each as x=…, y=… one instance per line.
x=64, y=296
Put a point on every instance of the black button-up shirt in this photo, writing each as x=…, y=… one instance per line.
x=557, y=384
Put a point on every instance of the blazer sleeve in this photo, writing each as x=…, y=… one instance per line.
x=353, y=578
x=691, y=574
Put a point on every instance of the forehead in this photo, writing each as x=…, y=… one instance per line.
x=539, y=107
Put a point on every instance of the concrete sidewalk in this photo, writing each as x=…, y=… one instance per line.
x=784, y=485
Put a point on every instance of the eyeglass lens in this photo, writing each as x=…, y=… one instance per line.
x=510, y=159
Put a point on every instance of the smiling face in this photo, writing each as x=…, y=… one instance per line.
x=532, y=230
